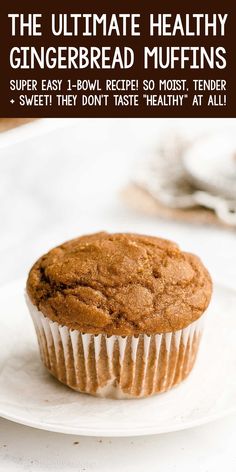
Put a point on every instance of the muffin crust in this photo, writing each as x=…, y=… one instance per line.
x=124, y=284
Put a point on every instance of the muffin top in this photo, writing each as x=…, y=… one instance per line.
x=123, y=284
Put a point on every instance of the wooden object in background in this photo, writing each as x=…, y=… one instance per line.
x=9, y=123
x=140, y=200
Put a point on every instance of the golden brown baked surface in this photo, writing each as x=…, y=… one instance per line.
x=121, y=284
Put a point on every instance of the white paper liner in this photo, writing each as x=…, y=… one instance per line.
x=116, y=366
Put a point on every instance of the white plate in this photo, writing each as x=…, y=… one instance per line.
x=29, y=395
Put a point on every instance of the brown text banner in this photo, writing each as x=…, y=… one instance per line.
x=103, y=59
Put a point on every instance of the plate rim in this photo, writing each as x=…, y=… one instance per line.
x=96, y=432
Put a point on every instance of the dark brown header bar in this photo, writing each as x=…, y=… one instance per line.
x=97, y=59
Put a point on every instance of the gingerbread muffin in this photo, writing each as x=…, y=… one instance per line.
x=118, y=315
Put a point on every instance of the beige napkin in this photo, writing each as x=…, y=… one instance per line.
x=164, y=185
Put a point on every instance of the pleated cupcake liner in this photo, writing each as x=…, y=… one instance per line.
x=116, y=366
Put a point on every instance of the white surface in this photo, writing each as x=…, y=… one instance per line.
x=208, y=448
x=61, y=178
x=47, y=404
x=64, y=183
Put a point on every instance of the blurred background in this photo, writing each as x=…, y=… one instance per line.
x=60, y=178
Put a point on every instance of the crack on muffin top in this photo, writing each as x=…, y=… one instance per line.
x=124, y=284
